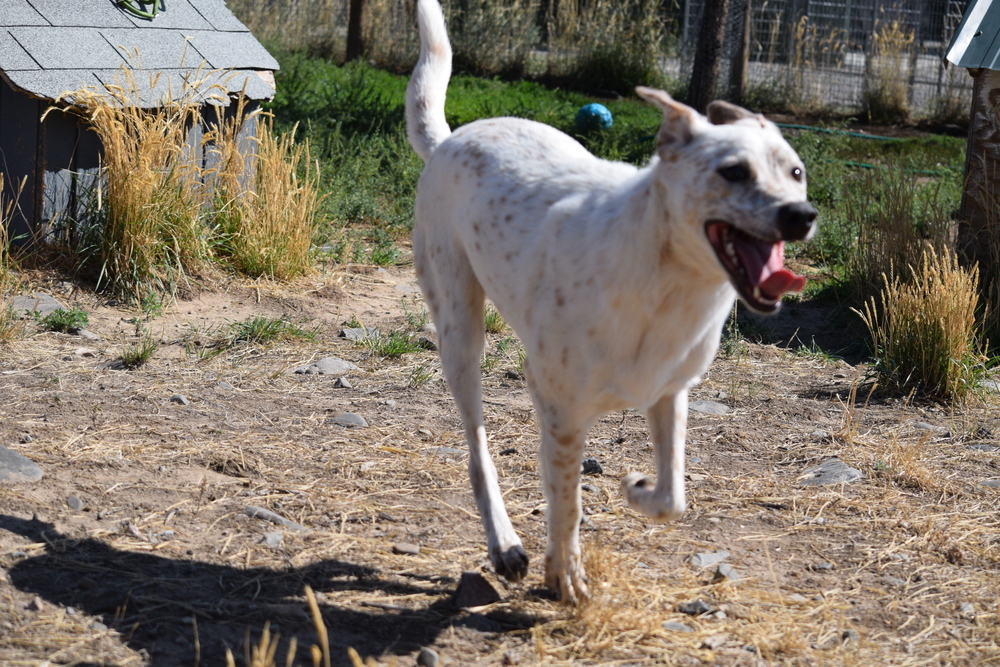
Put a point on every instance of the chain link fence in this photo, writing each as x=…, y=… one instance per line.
x=883, y=59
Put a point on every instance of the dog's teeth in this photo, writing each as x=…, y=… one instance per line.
x=730, y=250
x=758, y=296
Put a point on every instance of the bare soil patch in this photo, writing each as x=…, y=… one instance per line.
x=162, y=565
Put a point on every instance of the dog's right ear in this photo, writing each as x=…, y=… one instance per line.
x=678, y=119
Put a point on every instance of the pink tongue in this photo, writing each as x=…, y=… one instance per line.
x=764, y=264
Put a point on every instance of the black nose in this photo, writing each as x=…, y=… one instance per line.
x=795, y=220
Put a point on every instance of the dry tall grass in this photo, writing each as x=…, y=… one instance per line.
x=265, y=197
x=924, y=330
x=150, y=234
x=885, y=98
x=161, y=188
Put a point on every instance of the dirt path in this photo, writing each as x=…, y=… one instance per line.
x=163, y=566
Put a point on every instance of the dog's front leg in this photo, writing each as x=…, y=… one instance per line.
x=561, y=452
x=662, y=499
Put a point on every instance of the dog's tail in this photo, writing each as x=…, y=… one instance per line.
x=426, y=126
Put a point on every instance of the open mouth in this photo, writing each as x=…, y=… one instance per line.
x=755, y=267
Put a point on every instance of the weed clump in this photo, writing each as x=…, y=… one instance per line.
x=924, y=330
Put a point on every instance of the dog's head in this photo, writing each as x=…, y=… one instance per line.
x=743, y=189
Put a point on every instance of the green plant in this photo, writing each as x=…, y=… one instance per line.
x=66, y=321
x=152, y=304
x=392, y=345
x=137, y=354
x=263, y=330
x=923, y=330
x=415, y=321
x=420, y=376
x=493, y=320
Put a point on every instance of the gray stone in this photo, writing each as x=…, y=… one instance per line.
x=74, y=503
x=273, y=539
x=990, y=384
x=327, y=366
x=709, y=407
x=15, y=467
x=38, y=303
x=342, y=383
x=849, y=636
x=800, y=599
x=589, y=488
x=36, y=604
x=428, y=657
x=474, y=591
x=406, y=549
x=694, y=608
x=821, y=567
x=676, y=626
x=429, y=327
x=277, y=519
x=180, y=399
x=982, y=448
x=726, y=572
x=349, y=420
x=714, y=642
x=592, y=466
x=87, y=334
x=97, y=625
x=889, y=580
x=406, y=289
x=833, y=471
x=705, y=559
x=448, y=451
x=426, y=343
x=967, y=609
x=358, y=334
x=85, y=352
x=222, y=384
x=924, y=426
x=991, y=483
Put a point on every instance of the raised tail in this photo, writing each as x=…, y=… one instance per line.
x=426, y=126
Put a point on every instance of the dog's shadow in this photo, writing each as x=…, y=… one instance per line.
x=155, y=602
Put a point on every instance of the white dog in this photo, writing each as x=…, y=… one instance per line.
x=617, y=280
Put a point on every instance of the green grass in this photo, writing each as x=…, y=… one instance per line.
x=265, y=330
x=392, y=345
x=136, y=355
x=65, y=321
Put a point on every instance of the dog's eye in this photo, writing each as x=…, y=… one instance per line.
x=735, y=173
x=797, y=173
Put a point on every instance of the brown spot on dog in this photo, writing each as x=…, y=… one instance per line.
x=508, y=217
x=564, y=358
x=475, y=227
x=560, y=301
x=479, y=248
x=509, y=256
x=666, y=253
x=566, y=440
x=591, y=332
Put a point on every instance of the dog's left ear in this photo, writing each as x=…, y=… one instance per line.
x=723, y=113
x=678, y=119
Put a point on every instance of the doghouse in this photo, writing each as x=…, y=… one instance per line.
x=976, y=46
x=50, y=47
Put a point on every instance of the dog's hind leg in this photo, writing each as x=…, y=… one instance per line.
x=456, y=302
x=663, y=501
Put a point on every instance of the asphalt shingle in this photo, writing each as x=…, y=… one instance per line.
x=92, y=13
x=19, y=12
x=218, y=15
x=68, y=48
x=13, y=55
x=178, y=15
x=232, y=50
x=48, y=47
x=158, y=49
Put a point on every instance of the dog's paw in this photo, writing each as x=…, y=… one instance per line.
x=510, y=563
x=638, y=490
x=568, y=580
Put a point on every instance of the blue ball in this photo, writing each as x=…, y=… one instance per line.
x=594, y=116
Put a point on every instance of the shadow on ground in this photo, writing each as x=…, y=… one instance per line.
x=152, y=601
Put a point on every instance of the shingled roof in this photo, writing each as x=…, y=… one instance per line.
x=49, y=47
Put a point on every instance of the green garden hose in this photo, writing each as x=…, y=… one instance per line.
x=129, y=6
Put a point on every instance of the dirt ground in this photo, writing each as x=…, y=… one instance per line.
x=162, y=565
